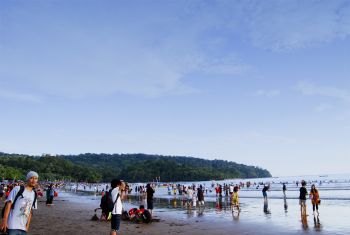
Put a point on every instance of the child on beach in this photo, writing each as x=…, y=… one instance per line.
x=315, y=199
x=302, y=198
x=235, y=200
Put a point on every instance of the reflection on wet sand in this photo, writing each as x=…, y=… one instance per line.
x=317, y=224
x=235, y=215
x=266, y=207
x=285, y=205
x=218, y=205
x=334, y=223
x=221, y=205
x=304, y=222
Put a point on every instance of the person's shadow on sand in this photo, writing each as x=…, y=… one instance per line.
x=285, y=205
x=317, y=224
x=304, y=222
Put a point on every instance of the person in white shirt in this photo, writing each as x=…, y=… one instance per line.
x=118, y=188
x=19, y=204
x=189, y=197
x=231, y=189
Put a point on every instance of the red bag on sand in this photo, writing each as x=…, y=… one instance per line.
x=55, y=194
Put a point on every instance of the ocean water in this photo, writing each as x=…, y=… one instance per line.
x=331, y=187
x=281, y=212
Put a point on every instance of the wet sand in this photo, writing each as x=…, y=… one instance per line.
x=68, y=217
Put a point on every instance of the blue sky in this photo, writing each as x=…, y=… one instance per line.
x=257, y=82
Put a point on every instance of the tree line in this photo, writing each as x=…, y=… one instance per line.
x=130, y=167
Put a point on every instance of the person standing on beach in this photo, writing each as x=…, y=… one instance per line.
x=315, y=199
x=189, y=197
x=231, y=190
x=19, y=205
x=264, y=191
x=150, y=192
x=235, y=200
x=302, y=198
x=117, y=193
x=1, y=191
x=284, y=189
x=200, y=195
x=49, y=195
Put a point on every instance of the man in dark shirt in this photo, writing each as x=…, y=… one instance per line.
x=284, y=189
x=264, y=191
x=150, y=192
x=302, y=198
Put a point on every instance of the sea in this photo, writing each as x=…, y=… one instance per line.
x=279, y=211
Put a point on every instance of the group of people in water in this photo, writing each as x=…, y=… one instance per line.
x=303, y=193
x=193, y=196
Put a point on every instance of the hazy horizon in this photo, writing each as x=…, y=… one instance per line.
x=262, y=83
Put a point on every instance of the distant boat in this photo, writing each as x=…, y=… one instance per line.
x=323, y=175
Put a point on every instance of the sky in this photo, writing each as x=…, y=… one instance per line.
x=263, y=83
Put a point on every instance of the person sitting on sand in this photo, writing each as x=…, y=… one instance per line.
x=315, y=199
x=132, y=213
x=140, y=215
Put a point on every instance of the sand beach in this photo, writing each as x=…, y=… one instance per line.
x=72, y=214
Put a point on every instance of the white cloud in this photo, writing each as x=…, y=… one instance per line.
x=311, y=89
x=277, y=25
x=322, y=107
x=288, y=25
x=151, y=59
x=19, y=96
x=268, y=93
x=155, y=56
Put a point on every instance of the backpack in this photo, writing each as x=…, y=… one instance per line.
x=107, y=204
x=19, y=194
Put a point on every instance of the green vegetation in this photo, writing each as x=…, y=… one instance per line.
x=130, y=167
x=14, y=166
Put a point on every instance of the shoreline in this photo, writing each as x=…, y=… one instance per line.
x=69, y=216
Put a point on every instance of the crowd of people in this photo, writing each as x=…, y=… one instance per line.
x=193, y=196
x=313, y=195
x=21, y=197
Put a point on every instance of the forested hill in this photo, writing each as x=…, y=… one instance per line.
x=142, y=167
x=130, y=167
